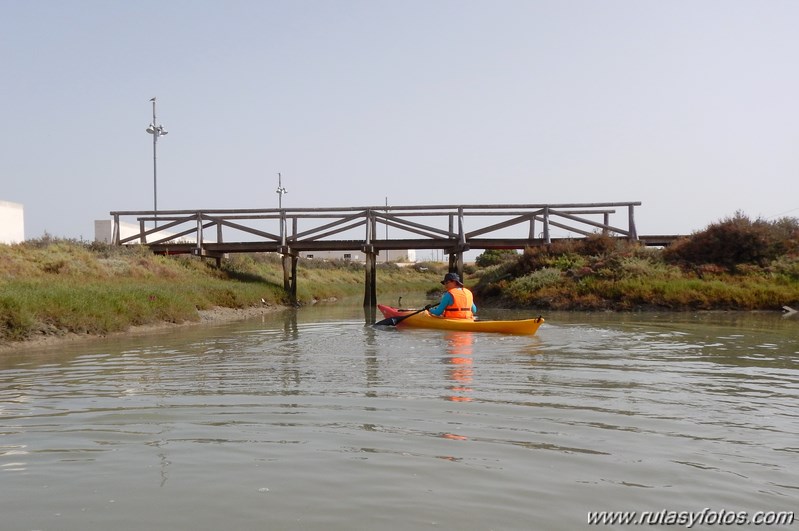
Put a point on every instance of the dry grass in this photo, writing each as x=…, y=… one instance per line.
x=54, y=287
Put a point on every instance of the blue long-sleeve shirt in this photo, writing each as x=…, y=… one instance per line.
x=446, y=300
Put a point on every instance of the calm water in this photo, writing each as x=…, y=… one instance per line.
x=311, y=420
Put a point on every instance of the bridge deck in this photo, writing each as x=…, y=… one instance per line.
x=214, y=249
x=453, y=228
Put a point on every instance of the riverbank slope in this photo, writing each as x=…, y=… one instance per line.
x=56, y=288
x=52, y=289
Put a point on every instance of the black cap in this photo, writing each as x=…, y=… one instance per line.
x=452, y=276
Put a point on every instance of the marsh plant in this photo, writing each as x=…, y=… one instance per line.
x=735, y=264
x=55, y=287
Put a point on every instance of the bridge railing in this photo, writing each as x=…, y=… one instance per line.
x=454, y=227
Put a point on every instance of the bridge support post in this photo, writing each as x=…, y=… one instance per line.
x=456, y=263
x=290, y=276
x=631, y=222
x=116, y=231
x=547, y=239
x=370, y=288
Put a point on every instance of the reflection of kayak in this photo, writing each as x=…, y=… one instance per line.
x=425, y=320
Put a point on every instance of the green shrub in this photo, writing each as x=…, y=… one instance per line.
x=566, y=262
x=492, y=257
x=787, y=266
x=645, y=267
x=16, y=320
x=523, y=287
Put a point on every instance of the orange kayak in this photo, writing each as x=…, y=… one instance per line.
x=426, y=320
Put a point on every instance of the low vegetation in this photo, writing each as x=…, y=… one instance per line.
x=54, y=287
x=735, y=264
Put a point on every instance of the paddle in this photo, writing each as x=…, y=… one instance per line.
x=393, y=321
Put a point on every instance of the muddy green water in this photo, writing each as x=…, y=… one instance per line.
x=309, y=420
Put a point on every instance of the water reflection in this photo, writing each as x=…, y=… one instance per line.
x=460, y=346
x=290, y=329
x=372, y=370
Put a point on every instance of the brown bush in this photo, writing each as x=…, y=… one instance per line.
x=736, y=240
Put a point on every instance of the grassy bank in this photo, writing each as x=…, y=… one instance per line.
x=735, y=264
x=636, y=280
x=55, y=287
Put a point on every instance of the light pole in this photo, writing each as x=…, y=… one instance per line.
x=280, y=191
x=156, y=131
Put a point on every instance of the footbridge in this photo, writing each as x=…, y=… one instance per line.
x=454, y=229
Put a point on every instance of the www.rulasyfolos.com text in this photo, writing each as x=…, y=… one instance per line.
x=689, y=519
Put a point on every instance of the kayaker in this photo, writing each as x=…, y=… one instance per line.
x=457, y=302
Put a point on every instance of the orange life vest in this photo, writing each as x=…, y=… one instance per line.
x=461, y=308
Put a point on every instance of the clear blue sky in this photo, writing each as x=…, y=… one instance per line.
x=690, y=106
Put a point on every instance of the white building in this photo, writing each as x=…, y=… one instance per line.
x=104, y=230
x=12, y=222
x=406, y=256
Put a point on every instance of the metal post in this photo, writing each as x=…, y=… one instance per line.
x=156, y=131
x=155, y=166
x=280, y=191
